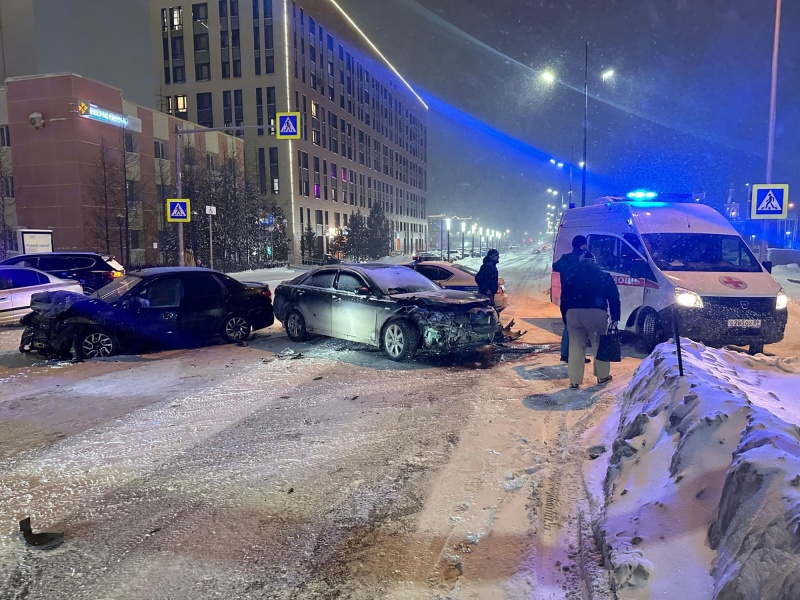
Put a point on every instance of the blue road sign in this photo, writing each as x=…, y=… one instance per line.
x=178, y=210
x=769, y=201
x=288, y=126
x=270, y=220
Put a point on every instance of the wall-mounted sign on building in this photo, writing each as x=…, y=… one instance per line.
x=88, y=110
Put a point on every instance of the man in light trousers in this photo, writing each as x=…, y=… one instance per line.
x=592, y=297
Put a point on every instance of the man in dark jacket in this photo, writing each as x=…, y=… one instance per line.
x=565, y=267
x=591, y=297
x=488, y=277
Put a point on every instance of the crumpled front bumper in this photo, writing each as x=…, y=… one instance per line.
x=453, y=331
x=46, y=337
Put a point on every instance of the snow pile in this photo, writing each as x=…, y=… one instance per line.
x=702, y=488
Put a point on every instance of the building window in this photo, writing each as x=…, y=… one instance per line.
x=5, y=136
x=168, y=107
x=159, y=149
x=176, y=18
x=237, y=67
x=201, y=42
x=238, y=111
x=316, y=178
x=202, y=72
x=177, y=48
x=269, y=65
x=130, y=143
x=260, y=109
x=204, y=110
x=200, y=13
x=226, y=69
x=223, y=9
x=181, y=107
x=271, y=110
x=227, y=111
x=302, y=163
x=273, y=169
x=164, y=20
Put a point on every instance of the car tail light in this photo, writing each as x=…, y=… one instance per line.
x=266, y=293
x=115, y=274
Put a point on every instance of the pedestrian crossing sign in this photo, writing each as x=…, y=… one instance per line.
x=178, y=210
x=769, y=201
x=288, y=126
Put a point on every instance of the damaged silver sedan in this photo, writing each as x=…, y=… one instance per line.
x=387, y=306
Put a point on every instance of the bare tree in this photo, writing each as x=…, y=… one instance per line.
x=108, y=196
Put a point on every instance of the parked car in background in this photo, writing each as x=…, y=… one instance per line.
x=163, y=307
x=387, y=306
x=458, y=277
x=90, y=269
x=17, y=284
x=429, y=255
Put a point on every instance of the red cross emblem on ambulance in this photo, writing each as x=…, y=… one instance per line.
x=733, y=282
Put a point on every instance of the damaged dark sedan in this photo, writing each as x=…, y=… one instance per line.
x=164, y=307
x=386, y=306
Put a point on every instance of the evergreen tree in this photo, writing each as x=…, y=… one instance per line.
x=379, y=233
x=308, y=243
x=358, y=237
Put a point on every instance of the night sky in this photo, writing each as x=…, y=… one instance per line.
x=686, y=111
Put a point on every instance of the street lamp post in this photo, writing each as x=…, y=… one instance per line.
x=463, y=230
x=472, y=250
x=762, y=251
x=480, y=241
x=585, y=120
x=447, y=224
x=120, y=221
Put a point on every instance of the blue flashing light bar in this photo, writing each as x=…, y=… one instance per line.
x=642, y=195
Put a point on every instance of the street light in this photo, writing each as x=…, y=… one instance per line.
x=120, y=221
x=447, y=223
x=463, y=230
x=474, y=227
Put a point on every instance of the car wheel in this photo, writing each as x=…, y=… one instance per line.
x=652, y=332
x=96, y=343
x=235, y=329
x=296, y=326
x=755, y=348
x=88, y=290
x=400, y=340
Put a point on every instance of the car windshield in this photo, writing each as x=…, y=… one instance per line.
x=401, y=280
x=117, y=288
x=700, y=252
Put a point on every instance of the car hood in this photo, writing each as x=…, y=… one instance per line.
x=52, y=304
x=442, y=298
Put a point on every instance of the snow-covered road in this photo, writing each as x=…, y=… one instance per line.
x=310, y=470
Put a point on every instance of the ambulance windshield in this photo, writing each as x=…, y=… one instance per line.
x=700, y=252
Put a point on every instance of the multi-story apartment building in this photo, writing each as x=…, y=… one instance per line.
x=363, y=131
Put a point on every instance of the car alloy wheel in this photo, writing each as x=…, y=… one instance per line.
x=296, y=326
x=97, y=344
x=399, y=340
x=236, y=329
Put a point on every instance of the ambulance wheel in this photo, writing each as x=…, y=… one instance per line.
x=652, y=332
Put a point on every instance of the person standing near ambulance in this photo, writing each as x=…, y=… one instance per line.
x=591, y=297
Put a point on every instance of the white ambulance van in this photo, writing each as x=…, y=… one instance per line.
x=679, y=260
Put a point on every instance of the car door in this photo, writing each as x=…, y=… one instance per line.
x=155, y=311
x=23, y=283
x=434, y=273
x=355, y=309
x=314, y=300
x=202, y=306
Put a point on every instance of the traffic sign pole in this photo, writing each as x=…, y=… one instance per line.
x=178, y=185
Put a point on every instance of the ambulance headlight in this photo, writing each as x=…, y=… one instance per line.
x=781, y=301
x=688, y=298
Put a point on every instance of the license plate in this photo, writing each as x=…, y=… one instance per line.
x=748, y=323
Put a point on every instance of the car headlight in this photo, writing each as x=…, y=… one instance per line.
x=781, y=301
x=688, y=298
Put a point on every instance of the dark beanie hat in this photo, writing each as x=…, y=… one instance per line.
x=578, y=241
x=492, y=252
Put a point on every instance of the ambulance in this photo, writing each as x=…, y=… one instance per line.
x=678, y=263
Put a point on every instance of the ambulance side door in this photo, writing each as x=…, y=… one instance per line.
x=617, y=257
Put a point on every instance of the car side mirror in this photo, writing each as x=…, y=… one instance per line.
x=362, y=291
x=767, y=265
